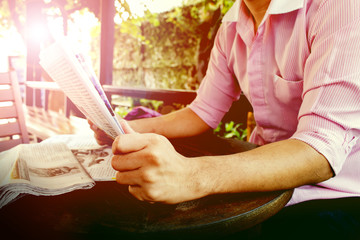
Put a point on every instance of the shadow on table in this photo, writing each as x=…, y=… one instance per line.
x=109, y=211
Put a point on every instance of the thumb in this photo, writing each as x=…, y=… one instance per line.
x=126, y=127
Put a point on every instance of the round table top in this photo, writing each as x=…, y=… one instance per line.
x=213, y=215
x=109, y=210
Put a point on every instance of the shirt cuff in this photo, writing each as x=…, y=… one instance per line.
x=328, y=138
x=206, y=113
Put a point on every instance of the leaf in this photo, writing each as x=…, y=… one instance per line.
x=218, y=128
x=229, y=135
x=229, y=126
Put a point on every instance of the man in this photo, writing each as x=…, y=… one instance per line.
x=298, y=63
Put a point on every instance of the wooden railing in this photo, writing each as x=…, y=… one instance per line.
x=45, y=122
x=238, y=112
x=167, y=95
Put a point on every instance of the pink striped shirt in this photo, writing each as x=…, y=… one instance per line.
x=301, y=73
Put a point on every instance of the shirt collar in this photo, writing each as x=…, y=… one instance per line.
x=275, y=7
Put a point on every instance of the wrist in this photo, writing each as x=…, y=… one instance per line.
x=204, y=176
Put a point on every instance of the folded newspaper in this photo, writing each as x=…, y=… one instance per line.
x=55, y=166
x=52, y=168
x=73, y=73
x=45, y=169
x=94, y=158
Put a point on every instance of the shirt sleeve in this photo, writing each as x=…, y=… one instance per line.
x=219, y=87
x=329, y=117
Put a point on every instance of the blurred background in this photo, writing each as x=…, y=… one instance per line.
x=144, y=44
x=158, y=43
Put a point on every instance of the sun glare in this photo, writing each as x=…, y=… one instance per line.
x=11, y=44
x=37, y=33
x=80, y=27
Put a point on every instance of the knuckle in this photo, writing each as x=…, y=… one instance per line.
x=155, y=139
x=153, y=157
x=114, y=161
x=117, y=146
x=148, y=176
x=119, y=178
x=136, y=192
x=153, y=194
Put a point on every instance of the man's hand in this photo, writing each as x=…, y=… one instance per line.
x=154, y=171
x=102, y=138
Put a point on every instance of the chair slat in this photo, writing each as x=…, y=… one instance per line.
x=5, y=78
x=14, y=111
x=6, y=95
x=9, y=129
x=8, y=112
x=5, y=145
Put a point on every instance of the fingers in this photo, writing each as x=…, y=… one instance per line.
x=138, y=193
x=136, y=187
x=135, y=191
x=126, y=162
x=128, y=178
x=92, y=125
x=131, y=151
x=125, y=126
x=129, y=143
x=149, y=165
x=101, y=137
x=126, y=149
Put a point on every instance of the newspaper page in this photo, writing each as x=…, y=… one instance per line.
x=40, y=169
x=94, y=158
x=76, y=78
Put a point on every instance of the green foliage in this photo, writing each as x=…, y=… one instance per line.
x=231, y=130
x=12, y=14
x=162, y=50
x=152, y=104
x=126, y=104
x=4, y=16
x=122, y=111
x=153, y=51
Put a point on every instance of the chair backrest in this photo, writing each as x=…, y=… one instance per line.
x=12, y=122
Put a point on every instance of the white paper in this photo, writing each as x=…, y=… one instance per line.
x=40, y=169
x=94, y=158
x=76, y=78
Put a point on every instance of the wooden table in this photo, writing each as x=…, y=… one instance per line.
x=108, y=211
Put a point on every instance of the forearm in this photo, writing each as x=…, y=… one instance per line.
x=182, y=123
x=277, y=166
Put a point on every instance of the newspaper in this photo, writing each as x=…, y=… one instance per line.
x=40, y=169
x=94, y=158
x=75, y=76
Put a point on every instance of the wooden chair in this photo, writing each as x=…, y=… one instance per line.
x=12, y=122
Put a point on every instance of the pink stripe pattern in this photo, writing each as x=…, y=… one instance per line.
x=301, y=73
